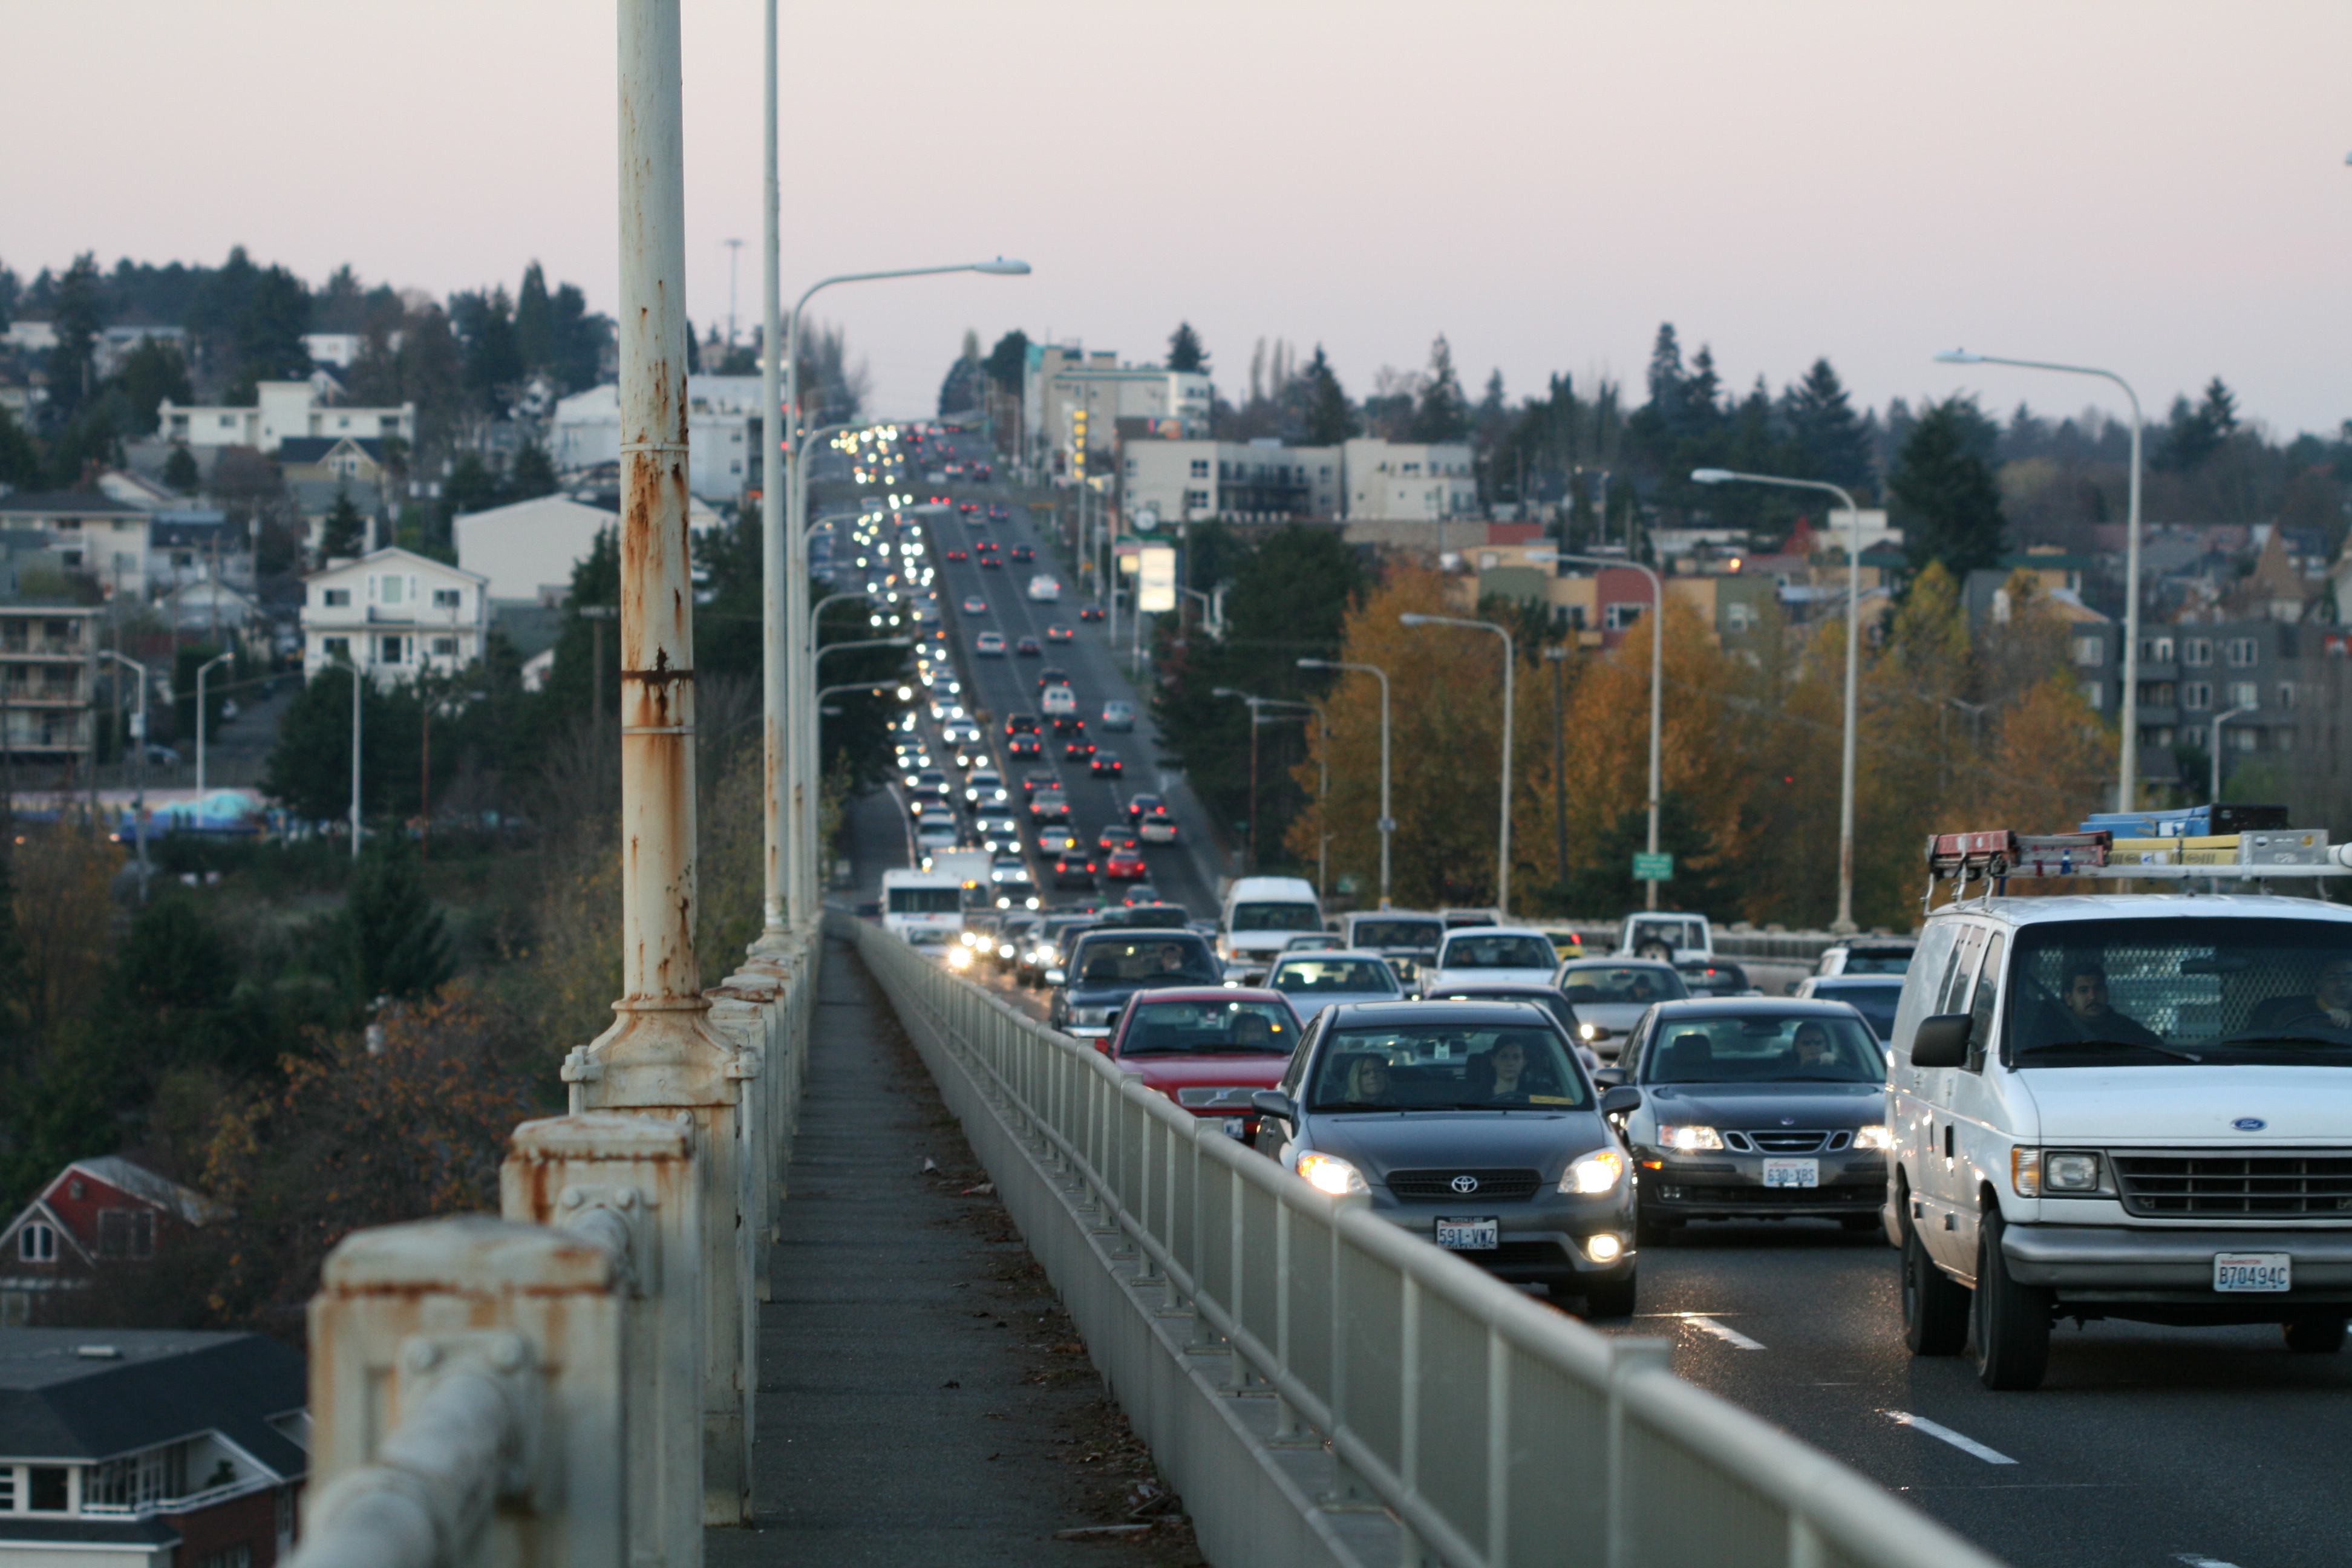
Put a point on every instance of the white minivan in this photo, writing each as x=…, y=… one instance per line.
x=1260, y=916
x=2122, y=1106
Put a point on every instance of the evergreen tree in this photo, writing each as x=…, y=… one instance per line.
x=1331, y=419
x=309, y=766
x=1008, y=362
x=1831, y=437
x=150, y=372
x=532, y=475
x=1945, y=499
x=388, y=940
x=1441, y=413
x=534, y=321
x=1701, y=412
x=578, y=339
x=2195, y=433
x=1667, y=374
x=76, y=317
x=179, y=470
x=344, y=532
x=1184, y=351
x=268, y=331
x=21, y=466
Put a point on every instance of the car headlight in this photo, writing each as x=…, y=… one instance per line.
x=1004, y=952
x=1588, y=1031
x=2054, y=1172
x=1875, y=1136
x=959, y=958
x=1688, y=1140
x=1329, y=1175
x=1597, y=1173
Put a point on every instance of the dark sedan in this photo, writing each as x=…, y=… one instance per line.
x=1755, y=1109
x=1107, y=967
x=1473, y=1125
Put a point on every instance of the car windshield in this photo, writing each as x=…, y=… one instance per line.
x=1423, y=935
x=1276, y=917
x=1636, y=984
x=1209, y=1029
x=1309, y=976
x=1761, y=1047
x=1165, y=959
x=1875, y=997
x=2175, y=990
x=1865, y=961
x=1511, y=952
x=1498, y=1065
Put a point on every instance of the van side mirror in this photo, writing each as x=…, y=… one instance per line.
x=1609, y=1078
x=1620, y=1100
x=1942, y=1041
x=1275, y=1103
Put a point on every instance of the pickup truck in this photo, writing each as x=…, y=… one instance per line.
x=2122, y=1105
x=1669, y=938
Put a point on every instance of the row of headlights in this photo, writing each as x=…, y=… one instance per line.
x=1684, y=1139
x=1595, y=1175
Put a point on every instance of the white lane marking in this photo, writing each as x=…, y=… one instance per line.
x=1942, y=1433
x=1729, y=1336
x=2196, y=1560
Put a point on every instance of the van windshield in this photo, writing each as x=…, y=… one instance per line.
x=2173, y=991
x=1423, y=934
x=1276, y=917
x=926, y=900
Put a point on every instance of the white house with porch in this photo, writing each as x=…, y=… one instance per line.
x=395, y=614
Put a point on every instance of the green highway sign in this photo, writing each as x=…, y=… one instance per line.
x=1658, y=868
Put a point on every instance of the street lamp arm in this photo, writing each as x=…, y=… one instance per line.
x=865, y=642
x=1000, y=268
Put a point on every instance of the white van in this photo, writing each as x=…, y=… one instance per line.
x=1046, y=588
x=1260, y=916
x=1056, y=702
x=2122, y=1106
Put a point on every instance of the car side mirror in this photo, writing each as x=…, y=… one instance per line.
x=1942, y=1041
x=1609, y=1078
x=1620, y=1100
x=1275, y=1103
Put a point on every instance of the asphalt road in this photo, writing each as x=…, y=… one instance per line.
x=2148, y=1446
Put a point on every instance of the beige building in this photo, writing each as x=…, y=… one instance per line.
x=48, y=659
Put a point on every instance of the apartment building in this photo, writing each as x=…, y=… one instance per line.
x=282, y=411
x=395, y=614
x=49, y=655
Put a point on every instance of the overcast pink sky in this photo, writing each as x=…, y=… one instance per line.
x=2154, y=186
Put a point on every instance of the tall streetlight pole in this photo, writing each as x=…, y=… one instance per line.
x=2128, y=758
x=1510, y=662
x=1844, y=921
x=2220, y=720
x=1388, y=823
x=218, y=659
x=1657, y=673
x=777, y=849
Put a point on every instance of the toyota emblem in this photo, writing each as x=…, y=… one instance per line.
x=1464, y=1183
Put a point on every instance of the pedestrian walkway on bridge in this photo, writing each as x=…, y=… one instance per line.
x=922, y=1400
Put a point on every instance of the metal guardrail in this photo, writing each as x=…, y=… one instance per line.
x=1492, y=1429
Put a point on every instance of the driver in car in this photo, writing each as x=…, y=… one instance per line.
x=2090, y=1016
x=1812, y=1050
x=2329, y=1005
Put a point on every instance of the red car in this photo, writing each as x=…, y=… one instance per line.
x=1126, y=865
x=1207, y=1049
x=1025, y=744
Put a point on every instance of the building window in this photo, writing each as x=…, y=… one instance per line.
x=1196, y=498
x=2154, y=650
x=448, y=598
x=2286, y=695
x=2095, y=695
x=126, y=1233
x=1739, y=616
x=2197, y=650
x=335, y=647
x=445, y=647
x=389, y=650
x=1199, y=468
x=2282, y=739
x=2245, y=694
x=2240, y=652
x=1621, y=617
x=2196, y=696
x=37, y=1243
x=237, y=1556
x=338, y=598
x=45, y=1489
x=2091, y=652
x=8, y=1472
x=2243, y=737
x=388, y=589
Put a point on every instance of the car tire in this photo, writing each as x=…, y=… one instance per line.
x=1659, y=1232
x=2314, y=1336
x=1612, y=1299
x=1934, y=1305
x=2013, y=1319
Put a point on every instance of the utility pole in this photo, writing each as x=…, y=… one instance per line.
x=357, y=681
x=1556, y=658
x=734, y=254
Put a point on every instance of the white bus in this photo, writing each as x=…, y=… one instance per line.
x=922, y=907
